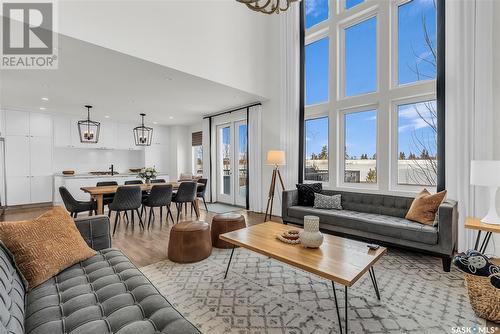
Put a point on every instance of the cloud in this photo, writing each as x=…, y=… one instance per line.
x=415, y=116
x=312, y=7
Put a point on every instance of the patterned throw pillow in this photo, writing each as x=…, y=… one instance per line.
x=44, y=246
x=307, y=191
x=327, y=202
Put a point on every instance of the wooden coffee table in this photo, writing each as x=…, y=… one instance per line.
x=338, y=260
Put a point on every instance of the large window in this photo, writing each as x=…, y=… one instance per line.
x=370, y=94
x=316, y=166
x=360, y=140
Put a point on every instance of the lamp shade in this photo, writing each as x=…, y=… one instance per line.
x=276, y=157
x=485, y=173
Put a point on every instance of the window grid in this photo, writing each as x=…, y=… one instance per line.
x=385, y=100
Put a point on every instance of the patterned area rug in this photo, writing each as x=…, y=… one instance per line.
x=222, y=208
x=261, y=295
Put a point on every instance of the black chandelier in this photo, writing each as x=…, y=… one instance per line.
x=268, y=6
x=88, y=129
x=143, y=134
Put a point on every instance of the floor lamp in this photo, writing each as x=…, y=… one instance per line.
x=276, y=159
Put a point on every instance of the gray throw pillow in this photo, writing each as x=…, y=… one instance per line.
x=327, y=202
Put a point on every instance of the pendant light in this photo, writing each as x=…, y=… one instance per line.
x=88, y=129
x=143, y=135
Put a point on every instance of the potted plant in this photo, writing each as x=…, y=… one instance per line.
x=147, y=174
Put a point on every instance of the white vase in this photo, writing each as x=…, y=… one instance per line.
x=311, y=237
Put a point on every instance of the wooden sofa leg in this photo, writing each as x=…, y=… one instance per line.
x=446, y=263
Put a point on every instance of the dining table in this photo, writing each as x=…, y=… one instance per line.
x=97, y=193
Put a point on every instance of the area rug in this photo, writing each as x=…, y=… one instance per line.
x=222, y=208
x=261, y=295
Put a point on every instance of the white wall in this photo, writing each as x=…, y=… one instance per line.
x=180, y=151
x=220, y=40
x=496, y=101
x=85, y=160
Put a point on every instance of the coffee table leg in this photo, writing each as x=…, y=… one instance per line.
x=371, y=271
x=229, y=263
x=337, y=307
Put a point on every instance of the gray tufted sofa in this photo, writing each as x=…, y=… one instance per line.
x=104, y=294
x=380, y=218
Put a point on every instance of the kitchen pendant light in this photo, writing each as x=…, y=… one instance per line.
x=143, y=135
x=88, y=129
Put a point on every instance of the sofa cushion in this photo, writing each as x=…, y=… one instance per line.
x=307, y=192
x=374, y=223
x=103, y=294
x=12, y=293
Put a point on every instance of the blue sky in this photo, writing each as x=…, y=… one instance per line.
x=414, y=56
x=226, y=137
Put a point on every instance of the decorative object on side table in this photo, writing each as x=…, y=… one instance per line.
x=482, y=277
x=486, y=174
x=289, y=237
x=147, y=174
x=311, y=237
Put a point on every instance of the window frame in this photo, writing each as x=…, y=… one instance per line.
x=384, y=100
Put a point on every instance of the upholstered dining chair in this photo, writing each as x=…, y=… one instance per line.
x=107, y=199
x=73, y=206
x=185, y=194
x=126, y=199
x=200, y=192
x=160, y=196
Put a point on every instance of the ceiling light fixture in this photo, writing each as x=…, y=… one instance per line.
x=143, y=134
x=88, y=129
x=155, y=123
x=45, y=98
x=42, y=108
x=170, y=117
x=268, y=6
x=107, y=116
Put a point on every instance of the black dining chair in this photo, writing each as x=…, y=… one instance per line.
x=158, y=181
x=74, y=206
x=200, y=192
x=160, y=196
x=185, y=194
x=107, y=199
x=133, y=182
x=126, y=199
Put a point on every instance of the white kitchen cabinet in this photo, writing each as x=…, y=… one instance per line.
x=107, y=136
x=125, y=137
x=17, y=123
x=62, y=131
x=160, y=136
x=41, y=189
x=40, y=156
x=18, y=190
x=17, y=156
x=40, y=125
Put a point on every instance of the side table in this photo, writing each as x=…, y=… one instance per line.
x=476, y=224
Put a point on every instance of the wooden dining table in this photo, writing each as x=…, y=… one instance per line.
x=97, y=193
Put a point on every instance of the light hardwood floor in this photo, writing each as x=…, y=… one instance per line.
x=142, y=247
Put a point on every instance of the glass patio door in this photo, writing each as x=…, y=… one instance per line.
x=232, y=163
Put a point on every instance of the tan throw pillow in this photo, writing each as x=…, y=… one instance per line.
x=45, y=246
x=425, y=206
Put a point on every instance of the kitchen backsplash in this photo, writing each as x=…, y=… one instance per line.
x=86, y=160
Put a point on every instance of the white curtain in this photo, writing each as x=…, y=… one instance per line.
x=206, y=157
x=290, y=79
x=255, y=158
x=469, y=105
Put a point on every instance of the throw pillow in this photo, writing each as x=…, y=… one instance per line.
x=327, y=202
x=307, y=191
x=45, y=246
x=425, y=206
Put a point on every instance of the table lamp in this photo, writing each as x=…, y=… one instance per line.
x=276, y=159
x=486, y=173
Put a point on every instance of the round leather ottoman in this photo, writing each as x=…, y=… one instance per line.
x=189, y=242
x=224, y=223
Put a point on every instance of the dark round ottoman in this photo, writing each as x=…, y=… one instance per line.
x=189, y=242
x=224, y=223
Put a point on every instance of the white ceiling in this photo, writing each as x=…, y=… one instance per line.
x=118, y=86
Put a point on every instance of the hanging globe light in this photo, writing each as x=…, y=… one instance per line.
x=143, y=135
x=88, y=129
x=268, y=6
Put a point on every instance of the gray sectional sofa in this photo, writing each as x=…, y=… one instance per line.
x=104, y=294
x=380, y=219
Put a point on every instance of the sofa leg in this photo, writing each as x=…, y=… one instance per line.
x=446, y=263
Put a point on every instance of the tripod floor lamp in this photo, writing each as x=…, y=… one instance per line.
x=276, y=159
